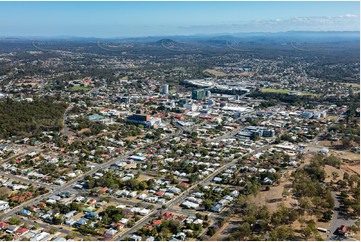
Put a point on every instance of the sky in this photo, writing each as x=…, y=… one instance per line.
x=136, y=19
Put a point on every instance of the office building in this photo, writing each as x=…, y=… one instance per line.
x=165, y=89
x=198, y=94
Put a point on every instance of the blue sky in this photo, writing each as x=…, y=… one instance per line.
x=126, y=19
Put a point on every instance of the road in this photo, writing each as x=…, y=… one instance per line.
x=65, y=131
x=311, y=147
x=98, y=167
x=184, y=194
x=71, y=183
x=21, y=154
x=44, y=226
x=180, y=198
x=24, y=180
x=338, y=219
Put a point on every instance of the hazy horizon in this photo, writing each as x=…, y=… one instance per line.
x=177, y=35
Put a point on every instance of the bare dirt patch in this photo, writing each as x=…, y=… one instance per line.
x=329, y=170
x=144, y=177
x=215, y=73
x=131, y=138
x=273, y=197
x=328, y=143
x=222, y=74
x=5, y=191
x=246, y=74
x=346, y=155
x=332, y=117
x=352, y=84
x=353, y=168
x=86, y=130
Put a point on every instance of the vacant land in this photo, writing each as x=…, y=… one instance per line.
x=218, y=73
x=77, y=89
x=143, y=177
x=286, y=91
x=352, y=84
x=272, y=90
x=329, y=170
x=308, y=94
x=348, y=155
x=215, y=72
x=353, y=168
x=273, y=197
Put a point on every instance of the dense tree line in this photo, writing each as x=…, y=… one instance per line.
x=30, y=118
x=308, y=186
x=291, y=99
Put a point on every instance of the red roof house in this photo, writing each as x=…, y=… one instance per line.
x=159, y=193
x=21, y=231
x=167, y=215
x=184, y=184
x=3, y=225
x=157, y=222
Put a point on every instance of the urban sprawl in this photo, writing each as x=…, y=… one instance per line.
x=177, y=145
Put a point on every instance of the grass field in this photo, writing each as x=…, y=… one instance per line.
x=285, y=91
x=308, y=94
x=215, y=72
x=354, y=85
x=275, y=90
x=222, y=74
x=76, y=89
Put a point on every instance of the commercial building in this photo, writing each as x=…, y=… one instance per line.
x=208, y=93
x=138, y=119
x=144, y=119
x=198, y=94
x=256, y=131
x=4, y=205
x=165, y=89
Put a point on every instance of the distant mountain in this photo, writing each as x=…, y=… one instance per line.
x=166, y=42
x=259, y=37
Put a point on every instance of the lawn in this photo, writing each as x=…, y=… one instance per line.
x=275, y=90
x=285, y=91
x=78, y=88
x=309, y=94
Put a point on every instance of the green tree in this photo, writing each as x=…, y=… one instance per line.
x=281, y=233
x=14, y=221
x=244, y=231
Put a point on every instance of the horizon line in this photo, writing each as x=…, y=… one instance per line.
x=175, y=35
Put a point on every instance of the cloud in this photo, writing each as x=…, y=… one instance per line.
x=349, y=16
x=347, y=22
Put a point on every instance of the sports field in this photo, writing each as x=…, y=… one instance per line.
x=275, y=90
x=78, y=88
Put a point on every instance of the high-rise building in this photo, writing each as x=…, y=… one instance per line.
x=165, y=89
x=198, y=94
x=208, y=93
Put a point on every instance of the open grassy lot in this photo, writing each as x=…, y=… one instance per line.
x=308, y=94
x=78, y=88
x=352, y=168
x=275, y=90
x=285, y=91
x=273, y=197
x=219, y=73
x=215, y=72
x=352, y=84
